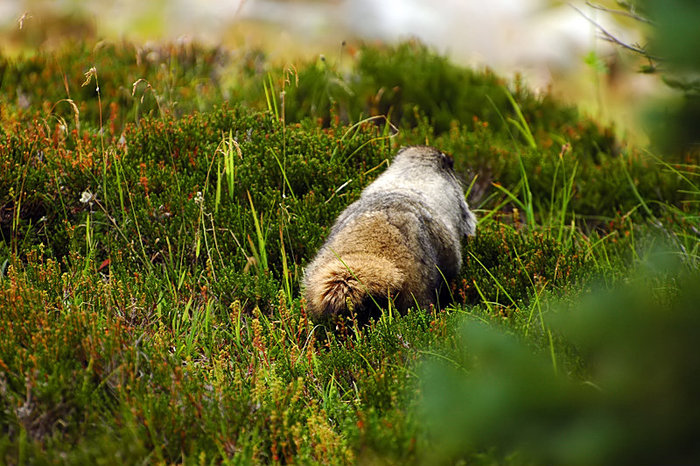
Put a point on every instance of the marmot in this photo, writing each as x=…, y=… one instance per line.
x=397, y=240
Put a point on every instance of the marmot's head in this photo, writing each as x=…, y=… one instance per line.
x=425, y=156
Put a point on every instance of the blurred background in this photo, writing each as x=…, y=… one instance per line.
x=553, y=45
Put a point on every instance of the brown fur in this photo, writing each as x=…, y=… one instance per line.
x=391, y=242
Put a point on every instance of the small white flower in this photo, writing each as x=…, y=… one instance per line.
x=198, y=198
x=86, y=197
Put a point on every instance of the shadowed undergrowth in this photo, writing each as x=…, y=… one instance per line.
x=157, y=212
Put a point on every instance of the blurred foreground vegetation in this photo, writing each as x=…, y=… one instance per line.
x=158, y=205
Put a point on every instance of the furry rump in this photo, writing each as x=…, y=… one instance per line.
x=352, y=283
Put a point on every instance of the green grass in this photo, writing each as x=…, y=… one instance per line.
x=154, y=234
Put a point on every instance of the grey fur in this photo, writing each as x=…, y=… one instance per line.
x=406, y=225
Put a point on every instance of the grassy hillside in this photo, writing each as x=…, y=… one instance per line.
x=158, y=205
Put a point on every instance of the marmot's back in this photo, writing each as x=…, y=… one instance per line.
x=391, y=242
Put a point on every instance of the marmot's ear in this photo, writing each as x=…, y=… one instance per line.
x=447, y=161
x=404, y=148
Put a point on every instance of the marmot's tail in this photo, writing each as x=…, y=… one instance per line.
x=356, y=280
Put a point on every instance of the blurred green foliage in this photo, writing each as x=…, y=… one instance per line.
x=673, y=42
x=636, y=403
x=677, y=37
x=677, y=40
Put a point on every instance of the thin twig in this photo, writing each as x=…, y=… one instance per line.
x=628, y=14
x=611, y=38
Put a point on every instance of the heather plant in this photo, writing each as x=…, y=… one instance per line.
x=155, y=223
